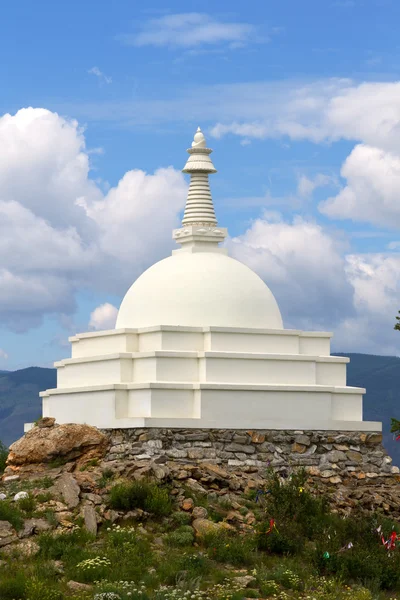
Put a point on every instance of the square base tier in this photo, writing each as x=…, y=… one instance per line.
x=209, y=405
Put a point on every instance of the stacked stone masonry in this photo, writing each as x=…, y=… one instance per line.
x=329, y=454
x=352, y=467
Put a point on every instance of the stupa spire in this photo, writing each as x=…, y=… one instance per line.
x=199, y=208
x=199, y=230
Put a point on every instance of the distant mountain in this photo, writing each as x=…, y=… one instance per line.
x=19, y=399
x=380, y=375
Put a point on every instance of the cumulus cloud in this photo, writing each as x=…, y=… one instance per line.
x=319, y=285
x=103, y=317
x=59, y=232
x=372, y=191
x=302, y=264
x=190, y=30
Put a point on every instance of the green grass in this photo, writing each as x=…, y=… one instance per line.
x=135, y=560
x=141, y=494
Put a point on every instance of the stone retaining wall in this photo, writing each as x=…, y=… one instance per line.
x=352, y=469
x=331, y=455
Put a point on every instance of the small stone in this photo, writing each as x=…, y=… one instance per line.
x=244, y=581
x=394, y=470
x=7, y=533
x=203, y=526
x=313, y=471
x=341, y=447
x=9, y=478
x=372, y=475
x=300, y=448
x=199, y=512
x=304, y=440
x=21, y=496
x=335, y=479
x=195, y=453
x=32, y=526
x=68, y=487
x=257, y=438
x=374, y=438
x=360, y=475
x=76, y=586
x=335, y=456
x=327, y=473
x=46, y=422
x=89, y=515
x=3, y=497
x=354, y=456
x=187, y=504
x=240, y=448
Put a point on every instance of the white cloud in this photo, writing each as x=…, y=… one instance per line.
x=190, y=30
x=103, y=317
x=320, y=286
x=306, y=185
x=100, y=75
x=393, y=245
x=3, y=354
x=59, y=233
x=372, y=191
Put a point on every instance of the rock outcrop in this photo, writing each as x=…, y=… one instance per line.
x=48, y=441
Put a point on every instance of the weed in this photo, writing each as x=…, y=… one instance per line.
x=106, y=476
x=141, y=494
x=183, y=536
x=10, y=512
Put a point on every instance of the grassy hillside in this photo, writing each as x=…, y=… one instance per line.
x=380, y=375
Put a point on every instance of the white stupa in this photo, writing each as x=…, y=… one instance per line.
x=199, y=342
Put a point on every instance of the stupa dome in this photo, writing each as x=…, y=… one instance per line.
x=199, y=285
x=198, y=290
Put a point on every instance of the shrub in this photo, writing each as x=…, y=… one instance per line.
x=93, y=569
x=106, y=476
x=3, y=457
x=183, y=536
x=27, y=505
x=59, y=546
x=287, y=540
x=181, y=518
x=41, y=590
x=288, y=500
x=13, y=586
x=140, y=494
x=10, y=512
x=231, y=548
x=44, y=497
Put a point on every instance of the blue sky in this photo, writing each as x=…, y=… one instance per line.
x=301, y=104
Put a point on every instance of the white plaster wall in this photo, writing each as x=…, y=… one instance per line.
x=347, y=407
x=242, y=405
x=177, y=369
x=174, y=340
x=173, y=404
x=330, y=373
x=94, y=408
x=247, y=370
x=144, y=369
x=316, y=346
x=149, y=340
x=96, y=372
x=251, y=342
x=106, y=344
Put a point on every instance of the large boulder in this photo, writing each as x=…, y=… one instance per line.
x=69, y=441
